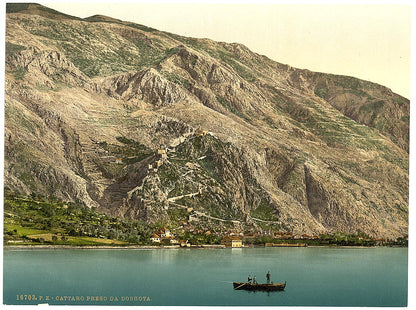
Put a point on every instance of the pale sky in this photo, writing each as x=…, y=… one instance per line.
x=371, y=42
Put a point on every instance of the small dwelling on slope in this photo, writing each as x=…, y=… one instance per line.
x=161, y=153
x=200, y=133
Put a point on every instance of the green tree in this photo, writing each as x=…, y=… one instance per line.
x=165, y=242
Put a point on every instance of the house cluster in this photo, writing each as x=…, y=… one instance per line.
x=186, y=226
x=164, y=235
x=278, y=235
x=305, y=236
x=283, y=235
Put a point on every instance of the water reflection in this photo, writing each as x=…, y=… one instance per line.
x=165, y=256
x=176, y=277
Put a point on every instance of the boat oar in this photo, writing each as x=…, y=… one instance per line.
x=240, y=286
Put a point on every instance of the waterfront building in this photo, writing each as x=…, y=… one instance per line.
x=232, y=242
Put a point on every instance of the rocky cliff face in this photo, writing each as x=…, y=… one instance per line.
x=150, y=125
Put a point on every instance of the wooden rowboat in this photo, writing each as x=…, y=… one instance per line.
x=259, y=287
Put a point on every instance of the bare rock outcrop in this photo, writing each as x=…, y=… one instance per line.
x=46, y=67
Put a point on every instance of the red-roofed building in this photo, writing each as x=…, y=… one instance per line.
x=164, y=232
x=155, y=238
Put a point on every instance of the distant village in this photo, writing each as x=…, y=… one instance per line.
x=166, y=237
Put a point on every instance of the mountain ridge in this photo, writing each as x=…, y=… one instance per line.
x=309, y=152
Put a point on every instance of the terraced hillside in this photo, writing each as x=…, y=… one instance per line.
x=150, y=125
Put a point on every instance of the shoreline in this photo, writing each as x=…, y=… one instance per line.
x=155, y=247
x=109, y=247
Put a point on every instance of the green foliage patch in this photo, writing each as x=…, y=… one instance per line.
x=19, y=73
x=175, y=78
x=374, y=106
x=264, y=211
x=347, y=82
x=210, y=166
x=243, y=68
x=12, y=48
x=16, y=115
x=322, y=91
x=16, y=7
x=132, y=53
x=335, y=239
x=177, y=214
x=37, y=215
x=140, y=27
x=131, y=151
x=232, y=109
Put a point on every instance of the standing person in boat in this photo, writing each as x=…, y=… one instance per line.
x=254, y=280
x=249, y=279
x=268, y=277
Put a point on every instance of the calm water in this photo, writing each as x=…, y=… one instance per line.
x=315, y=276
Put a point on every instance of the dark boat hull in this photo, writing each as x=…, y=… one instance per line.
x=259, y=287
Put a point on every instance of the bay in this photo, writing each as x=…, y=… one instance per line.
x=316, y=276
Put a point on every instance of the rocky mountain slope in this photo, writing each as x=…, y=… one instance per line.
x=150, y=125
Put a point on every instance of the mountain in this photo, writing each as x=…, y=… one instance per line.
x=153, y=126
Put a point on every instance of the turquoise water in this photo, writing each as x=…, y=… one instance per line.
x=315, y=276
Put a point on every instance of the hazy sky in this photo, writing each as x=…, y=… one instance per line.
x=371, y=42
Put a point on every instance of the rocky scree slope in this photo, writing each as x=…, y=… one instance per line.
x=90, y=102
